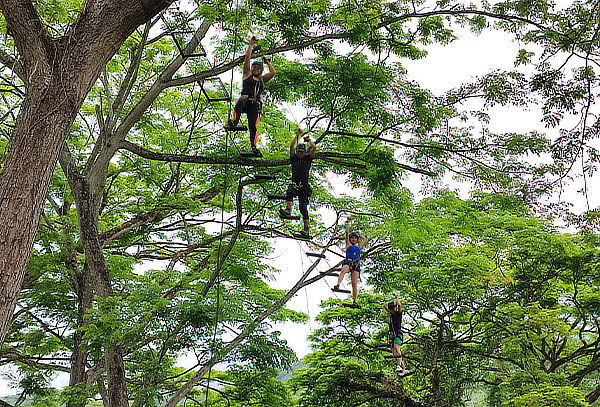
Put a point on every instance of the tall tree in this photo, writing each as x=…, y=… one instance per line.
x=496, y=301
x=58, y=72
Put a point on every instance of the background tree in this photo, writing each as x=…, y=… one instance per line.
x=57, y=72
x=496, y=304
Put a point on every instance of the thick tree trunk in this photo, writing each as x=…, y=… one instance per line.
x=79, y=355
x=60, y=72
x=45, y=119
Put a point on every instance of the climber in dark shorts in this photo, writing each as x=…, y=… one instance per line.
x=351, y=264
x=301, y=157
x=253, y=84
x=395, y=309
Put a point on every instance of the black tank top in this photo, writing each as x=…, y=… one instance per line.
x=252, y=87
x=396, y=323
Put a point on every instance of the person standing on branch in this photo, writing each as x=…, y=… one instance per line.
x=354, y=245
x=253, y=84
x=301, y=157
x=395, y=309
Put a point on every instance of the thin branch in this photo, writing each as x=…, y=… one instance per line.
x=13, y=64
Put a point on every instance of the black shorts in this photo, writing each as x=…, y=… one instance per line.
x=302, y=192
x=248, y=106
x=353, y=264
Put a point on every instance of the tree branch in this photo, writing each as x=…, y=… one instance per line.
x=26, y=27
x=14, y=356
x=13, y=64
x=304, y=43
x=218, y=356
x=196, y=159
x=463, y=13
x=152, y=215
x=105, y=153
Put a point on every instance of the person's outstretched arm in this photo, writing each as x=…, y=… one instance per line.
x=269, y=75
x=348, y=232
x=294, y=141
x=312, y=147
x=247, y=71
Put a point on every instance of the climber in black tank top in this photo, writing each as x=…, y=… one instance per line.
x=253, y=84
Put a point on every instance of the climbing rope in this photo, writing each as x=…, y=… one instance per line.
x=220, y=261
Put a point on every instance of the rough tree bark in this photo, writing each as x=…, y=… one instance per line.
x=59, y=73
x=95, y=268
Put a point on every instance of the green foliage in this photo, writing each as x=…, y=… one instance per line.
x=550, y=396
x=489, y=293
x=59, y=15
x=248, y=386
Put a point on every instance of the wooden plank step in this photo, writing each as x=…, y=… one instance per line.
x=276, y=196
x=319, y=255
x=341, y=290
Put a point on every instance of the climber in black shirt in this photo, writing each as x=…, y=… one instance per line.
x=253, y=84
x=395, y=309
x=301, y=157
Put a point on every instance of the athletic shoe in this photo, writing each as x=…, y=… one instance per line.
x=303, y=233
x=256, y=152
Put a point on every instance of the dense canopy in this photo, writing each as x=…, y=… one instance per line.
x=134, y=238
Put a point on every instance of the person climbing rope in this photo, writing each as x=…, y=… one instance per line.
x=395, y=309
x=301, y=158
x=253, y=84
x=354, y=245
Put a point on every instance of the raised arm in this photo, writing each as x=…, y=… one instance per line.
x=362, y=241
x=268, y=76
x=348, y=232
x=399, y=304
x=312, y=147
x=247, y=71
x=294, y=141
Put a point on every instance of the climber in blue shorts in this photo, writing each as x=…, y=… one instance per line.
x=354, y=245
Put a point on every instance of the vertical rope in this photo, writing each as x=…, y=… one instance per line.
x=219, y=261
x=218, y=278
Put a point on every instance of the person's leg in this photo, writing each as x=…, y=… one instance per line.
x=345, y=269
x=237, y=111
x=303, y=195
x=253, y=115
x=396, y=351
x=291, y=192
x=354, y=278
